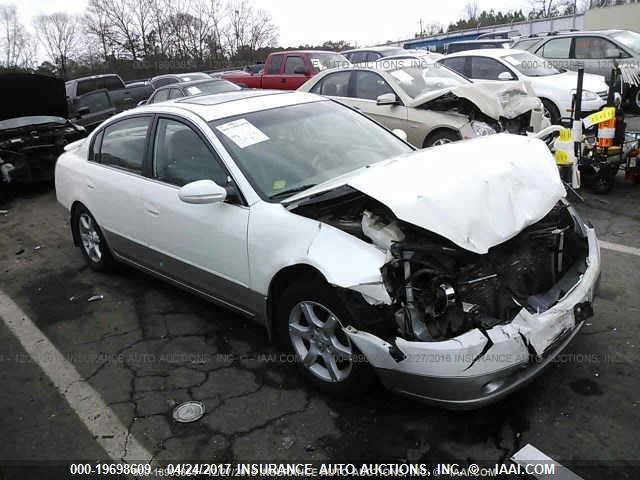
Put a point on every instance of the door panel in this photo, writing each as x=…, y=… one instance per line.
x=367, y=87
x=204, y=246
x=113, y=181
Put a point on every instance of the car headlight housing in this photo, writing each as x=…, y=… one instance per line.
x=587, y=95
x=482, y=129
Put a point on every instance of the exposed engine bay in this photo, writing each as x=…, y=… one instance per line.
x=440, y=290
x=450, y=102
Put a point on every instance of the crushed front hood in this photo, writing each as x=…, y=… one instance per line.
x=494, y=99
x=477, y=193
x=30, y=95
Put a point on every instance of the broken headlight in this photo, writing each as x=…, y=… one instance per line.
x=482, y=129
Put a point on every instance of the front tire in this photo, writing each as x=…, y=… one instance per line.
x=440, y=137
x=551, y=111
x=92, y=242
x=309, y=323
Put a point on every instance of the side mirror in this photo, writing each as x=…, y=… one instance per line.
x=82, y=111
x=301, y=70
x=141, y=102
x=387, y=99
x=505, y=76
x=201, y=192
x=401, y=134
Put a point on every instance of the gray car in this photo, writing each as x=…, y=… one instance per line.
x=595, y=51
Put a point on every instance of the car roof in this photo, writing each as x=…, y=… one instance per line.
x=384, y=48
x=483, y=40
x=227, y=104
x=487, y=52
x=191, y=83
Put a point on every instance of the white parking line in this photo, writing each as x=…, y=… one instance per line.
x=616, y=247
x=537, y=464
x=103, y=424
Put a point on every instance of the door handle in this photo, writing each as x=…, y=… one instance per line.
x=283, y=80
x=151, y=209
x=90, y=184
x=357, y=108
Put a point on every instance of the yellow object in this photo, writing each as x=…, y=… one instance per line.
x=562, y=158
x=607, y=113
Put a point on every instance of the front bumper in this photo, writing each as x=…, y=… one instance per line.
x=475, y=369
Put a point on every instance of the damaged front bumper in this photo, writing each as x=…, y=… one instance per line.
x=477, y=368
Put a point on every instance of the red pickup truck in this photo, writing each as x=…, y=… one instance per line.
x=288, y=70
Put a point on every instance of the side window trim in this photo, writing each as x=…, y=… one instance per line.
x=151, y=140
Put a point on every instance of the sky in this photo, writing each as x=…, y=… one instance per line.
x=313, y=22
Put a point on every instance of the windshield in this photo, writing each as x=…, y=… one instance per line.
x=295, y=147
x=424, y=78
x=531, y=65
x=324, y=60
x=631, y=40
x=214, y=86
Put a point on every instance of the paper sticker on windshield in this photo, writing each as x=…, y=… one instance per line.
x=402, y=76
x=242, y=133
x=193, y=90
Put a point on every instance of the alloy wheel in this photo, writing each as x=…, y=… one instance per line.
x=319, y=341
x=89, y=237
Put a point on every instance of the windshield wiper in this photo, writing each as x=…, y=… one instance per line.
x=291, y=191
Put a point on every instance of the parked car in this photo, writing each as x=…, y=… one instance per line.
x=34, y=128
x=595, y=51
x=555, y=87
x=92, y=108
x=351, y=247
x=410, y=58
x=431, y=104
x=503, y=34
x=195, y=87
x=170, y=78
x=371, y=54
x=122, y=96
x=477, y=45
x=288, y=70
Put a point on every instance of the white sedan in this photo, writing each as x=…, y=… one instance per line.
x=553, y=86
x=364, y=257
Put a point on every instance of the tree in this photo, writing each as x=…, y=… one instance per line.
x=59, y=34
x=472, y=9
x=15, y=42
x=96, y=24
x=248, y=29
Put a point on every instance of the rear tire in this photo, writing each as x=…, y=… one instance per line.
x=93, y=245
x=309, y=321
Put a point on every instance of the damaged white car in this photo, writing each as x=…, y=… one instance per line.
x=366, y=258
x=429, y=102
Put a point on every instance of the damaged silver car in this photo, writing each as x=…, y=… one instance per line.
x=430, y=103
x=364, y=257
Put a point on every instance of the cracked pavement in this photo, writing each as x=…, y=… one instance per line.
x=147, y=346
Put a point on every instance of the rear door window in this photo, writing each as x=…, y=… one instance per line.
x=586, y=48
x=334, y=84
x=160, y=96
x=175, y=93
x=457, y=64
x=123, y=143
x=556, y=48
x=86, y=86
x=95, y=101
x=113, y=83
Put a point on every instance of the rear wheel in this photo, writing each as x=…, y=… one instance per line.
x=92, y=243
x=309, y=322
